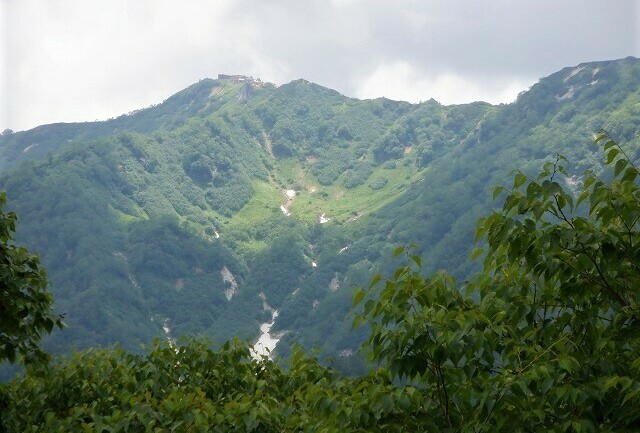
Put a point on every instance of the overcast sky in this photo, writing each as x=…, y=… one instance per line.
x=78, y=60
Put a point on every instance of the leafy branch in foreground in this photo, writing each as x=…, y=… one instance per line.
x=25, y=303
x=547, y=336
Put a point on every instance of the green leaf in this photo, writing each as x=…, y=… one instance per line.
x=518, y=181
x=358, y=296
x=620, y=165
x=630, y=175
x=476, y=253
x=601, y=136
x=609, y=144
x=611, y=155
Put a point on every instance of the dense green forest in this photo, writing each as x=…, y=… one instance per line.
x=174, y=219
x=544, y=338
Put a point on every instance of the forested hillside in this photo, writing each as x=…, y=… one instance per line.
x=195, y=215
x=544, y=338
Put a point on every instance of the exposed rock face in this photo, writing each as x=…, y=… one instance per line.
x=243, y=94
x=577, y=80
x=228, y=277
x=335, y=283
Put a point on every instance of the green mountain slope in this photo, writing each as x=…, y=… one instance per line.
x=200, y=214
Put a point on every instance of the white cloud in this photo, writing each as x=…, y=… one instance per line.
x=4, y=81
x=69, y=60
x=401, y=81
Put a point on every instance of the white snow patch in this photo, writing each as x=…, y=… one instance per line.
x=314, y=265
x=228, y=277
x=266, y=342
x=216, y=234
x=345, y=353
x=29, y=147
x=324, y=219
x=290, y=194
x=167, y=332
x=133, y=281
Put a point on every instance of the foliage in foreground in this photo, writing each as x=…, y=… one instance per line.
x=193, y=388
x=25, y=302
x=546, y=338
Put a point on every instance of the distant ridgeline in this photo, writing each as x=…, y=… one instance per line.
x=235, y=202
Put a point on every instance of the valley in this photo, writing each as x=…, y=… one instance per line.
x=191, y=216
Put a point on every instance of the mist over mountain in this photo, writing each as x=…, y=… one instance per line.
x=234, y=198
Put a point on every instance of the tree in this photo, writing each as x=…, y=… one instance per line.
x=547, y=336
x=191, y=388
x=25, y=303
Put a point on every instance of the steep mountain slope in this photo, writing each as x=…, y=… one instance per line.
x=195, y=215
x=200, y=99
x=557, y=115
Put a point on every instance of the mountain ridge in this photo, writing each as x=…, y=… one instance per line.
x=143, y=222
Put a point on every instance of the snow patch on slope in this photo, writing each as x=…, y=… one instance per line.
x=29, y=147
x=167, y=332
x=266, y=343
x=290, y=195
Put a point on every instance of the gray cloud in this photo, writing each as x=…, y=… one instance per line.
x=66, y=60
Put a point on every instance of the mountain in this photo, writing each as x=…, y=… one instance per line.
x=234, y=198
